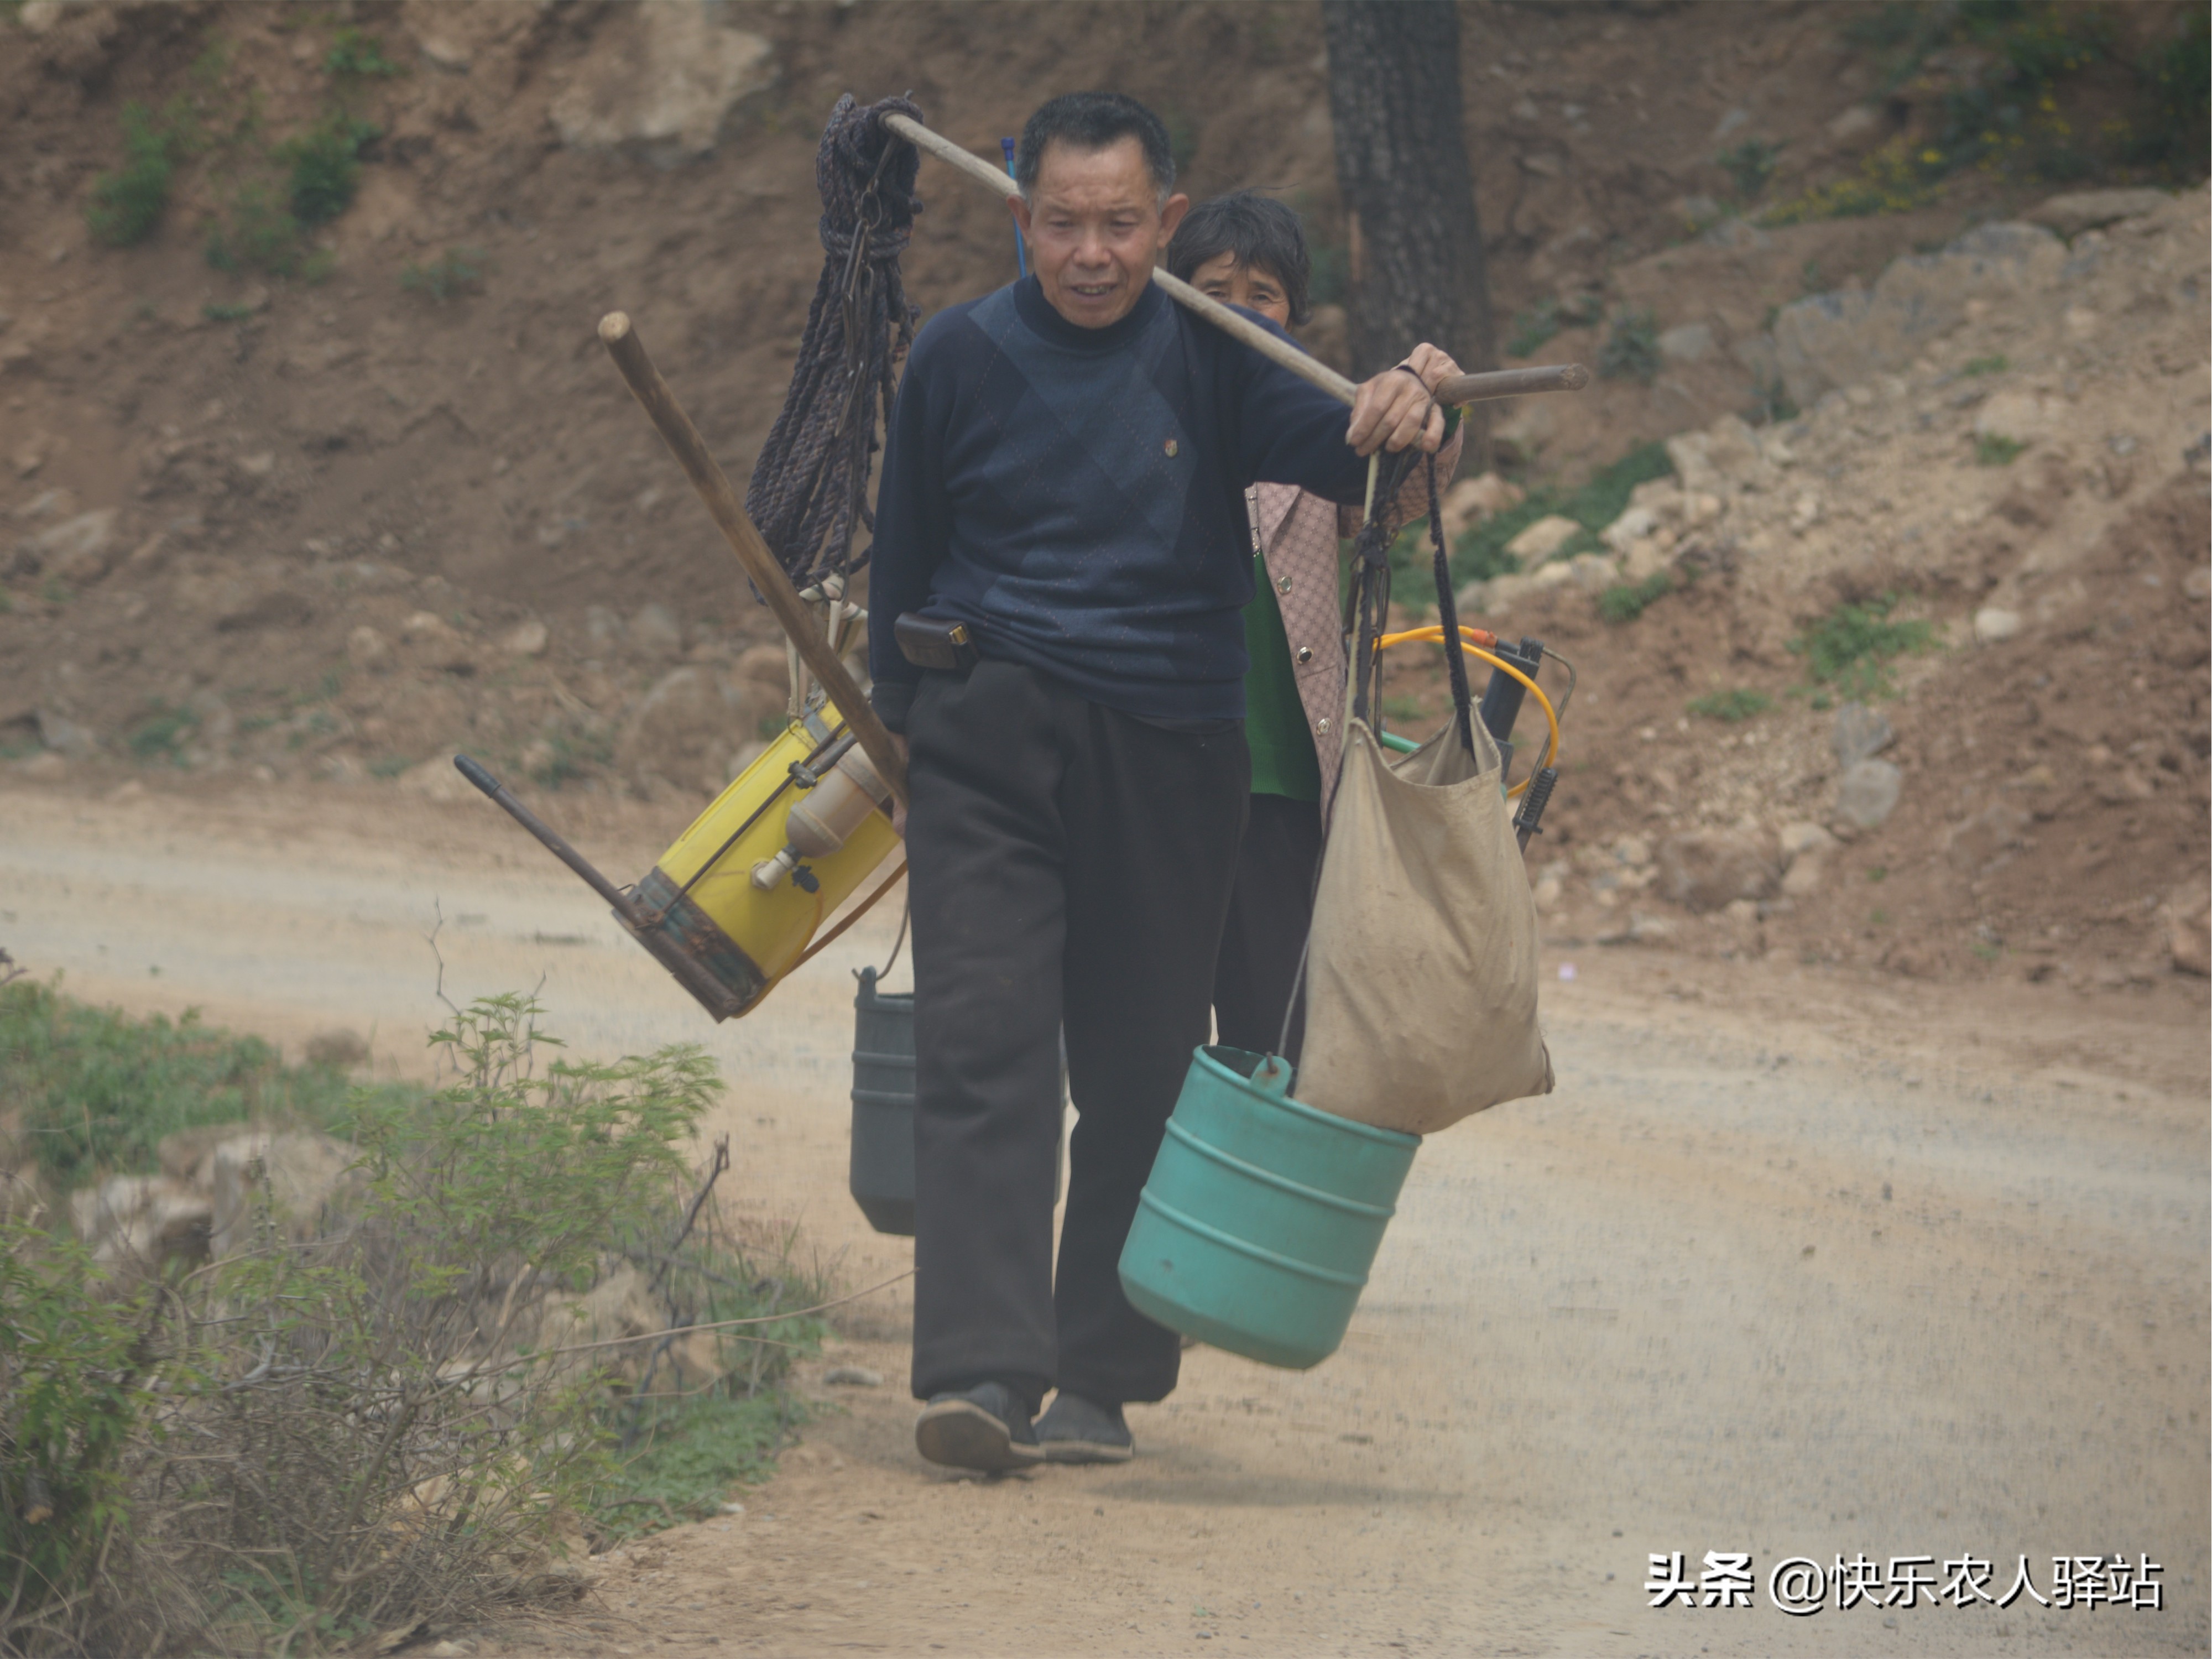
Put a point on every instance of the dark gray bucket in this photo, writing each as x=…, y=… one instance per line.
x=882, y=1170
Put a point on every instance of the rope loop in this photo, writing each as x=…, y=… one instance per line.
x=808, y=494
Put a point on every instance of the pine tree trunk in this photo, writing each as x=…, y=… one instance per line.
x=1417, y=270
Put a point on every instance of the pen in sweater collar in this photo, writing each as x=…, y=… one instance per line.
x=1036, y=313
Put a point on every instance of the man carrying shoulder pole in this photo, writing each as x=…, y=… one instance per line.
x=1061, y=567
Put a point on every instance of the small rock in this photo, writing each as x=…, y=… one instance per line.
x=46, y=764
x=64, y=736
x=1549, y=891
x=442, y=53
x=1993, y=626
x=1857, y=122
x=368, y=650
x=1706, y=870
x=1799, y=839
x=428, y=627
x=451, y=1650
x=339, y=1045
x=257, y=466
x=1633, y=851
x=2038, y=776
x=682, y=77
x=653, y=633
x=2189, y=938
x=853, y=1377
x=601, y=625
x=525, y=640
x=1592, y=572
x=2197, y=584
x=1690, y=343
x=1542, y=539
x=1867, y=792
x=1471, y=500
x=1858, y=733
x=1807, y=871
x=2076, y=211
x=1632, y=526
x=79, y=551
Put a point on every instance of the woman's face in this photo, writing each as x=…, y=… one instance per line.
x=1225, y=278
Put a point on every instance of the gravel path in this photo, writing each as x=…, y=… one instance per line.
x=1792, y=1265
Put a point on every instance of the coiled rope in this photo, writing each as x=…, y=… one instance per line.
x=808, y=494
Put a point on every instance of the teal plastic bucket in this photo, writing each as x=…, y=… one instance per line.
x=1263, y=1216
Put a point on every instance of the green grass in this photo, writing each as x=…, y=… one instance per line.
x=98, y=1089
x=324, y=167
x=356, y=56
x=1995, y=449
x=1737, y=704
x=127, y=205
x=1624, y=602
x=1995, y=364
x=1848, y=652
x=1532, y=328
x=1480, y=553
x=457, y=271
x=217, y=314
x=690, y=1454
x=1749, y=164
x=1631, y=349
x=163, y=735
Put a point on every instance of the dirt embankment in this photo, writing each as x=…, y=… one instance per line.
x=263, y=526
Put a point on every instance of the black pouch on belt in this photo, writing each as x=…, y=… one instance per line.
x=934, y=643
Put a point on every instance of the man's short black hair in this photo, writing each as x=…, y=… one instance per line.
x=1263, y=235
x=1091, y=121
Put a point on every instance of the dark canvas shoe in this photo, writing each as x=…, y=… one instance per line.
x=1074, y=1430
x=986, y=1427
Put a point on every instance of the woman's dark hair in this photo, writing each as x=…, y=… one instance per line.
x=1091, y=121
x=1263, y=235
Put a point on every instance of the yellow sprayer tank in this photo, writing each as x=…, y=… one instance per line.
x=702, y=898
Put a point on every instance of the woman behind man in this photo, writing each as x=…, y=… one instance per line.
x=1248, y=250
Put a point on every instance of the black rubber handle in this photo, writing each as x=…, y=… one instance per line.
x=473, y=770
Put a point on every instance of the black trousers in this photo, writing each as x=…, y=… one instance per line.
x=1069, y=867
x=1269, y=910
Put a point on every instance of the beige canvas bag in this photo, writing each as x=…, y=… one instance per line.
x=1420, y=978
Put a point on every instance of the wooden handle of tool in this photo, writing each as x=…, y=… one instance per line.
x=1461, y=389
x=690, y=451
x=1512, y=383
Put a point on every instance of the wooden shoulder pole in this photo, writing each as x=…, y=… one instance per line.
x=1463, y=389
x=690, y=451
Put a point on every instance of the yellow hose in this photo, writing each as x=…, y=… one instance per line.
x=1434, y=634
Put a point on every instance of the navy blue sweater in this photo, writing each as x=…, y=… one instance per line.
x=1076, y=496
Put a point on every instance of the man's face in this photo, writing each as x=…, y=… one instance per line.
x=1225, y=278
x=1095, y=223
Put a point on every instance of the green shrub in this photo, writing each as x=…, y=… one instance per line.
x=98, y=1089
x=1737, y=704
x=1995, y=449
x=457, y=271
x=163, y=735
x=1532, y=328
x=1749, y=164
x=1996, y=364
x=126, y=206
x=318, y=1437
x=324, y=167
x=1630, y=349
x=1848, y=652
x=222, y=314
x=1624, y=602
x=72, y=1359
x=356, y=56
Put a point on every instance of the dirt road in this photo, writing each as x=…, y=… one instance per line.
x=1792, y=1265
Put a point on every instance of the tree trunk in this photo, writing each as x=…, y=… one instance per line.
x=1417, y=270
